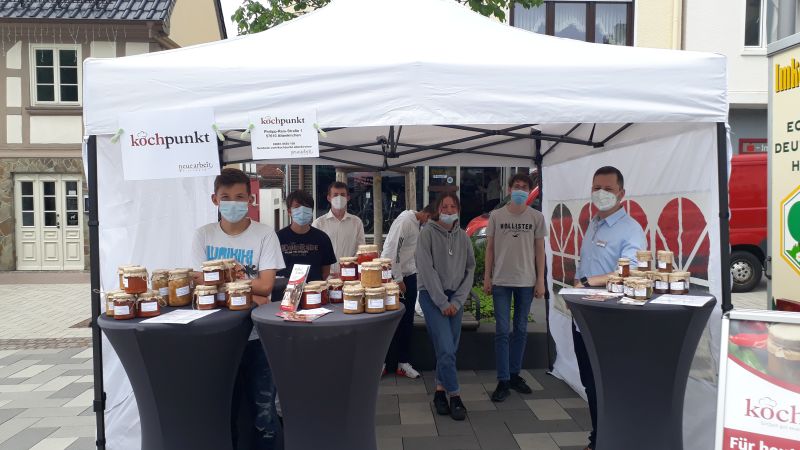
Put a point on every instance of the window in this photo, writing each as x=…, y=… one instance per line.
x=55, y=76
x=752, y=23
x=783, y=19
x=26, y=194
x=601, y=22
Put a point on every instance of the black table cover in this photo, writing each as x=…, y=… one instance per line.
x=640, y=356
x=182, y=376
x=327, y=374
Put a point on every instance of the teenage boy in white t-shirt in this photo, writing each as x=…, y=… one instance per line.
x=257, y=251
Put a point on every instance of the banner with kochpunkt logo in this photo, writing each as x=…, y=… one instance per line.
x=168, y=144
x=284, y=135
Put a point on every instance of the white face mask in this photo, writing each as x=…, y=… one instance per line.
x=604, y=200
x=339, y=202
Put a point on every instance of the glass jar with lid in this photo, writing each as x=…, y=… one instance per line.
x=323, y=287
x=120, y=272
x=371, y=274
x=375, y=300
x=213, y=273
x=624, y=267
x=240, y=296
x=348, y=268
x=679, y=283
x=644, y=260
x=642, y=289
x=392, y=302
x=205, y=297
x=110, y=301
x=312, y=296
x=180, y=290
x=222, y=295
x=665, y=259
x=627, y=288
x=353, y=299
x=386, y=270
x=134, y=279
x=229, y=275
x=335, y=294
x=638, y=274
x=366, y=253
x=124, y=306
x=149, y=304
x=159, y=282
x=616, y=284
x=661, y=283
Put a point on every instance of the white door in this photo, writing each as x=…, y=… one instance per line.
x=49, y=221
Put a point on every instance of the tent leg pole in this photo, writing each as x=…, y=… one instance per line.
x=724, y=230
x=99, y=405
x=550, y=343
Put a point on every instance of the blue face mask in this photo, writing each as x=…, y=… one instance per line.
x=519, y=197
x=302, y=215
x=448, y=218
x=232, y=211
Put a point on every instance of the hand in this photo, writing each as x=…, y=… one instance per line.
x=487, y=285
x=538, y=291
x=450, y=311
x=402, y=287
x=238, y=272
x=578, y=284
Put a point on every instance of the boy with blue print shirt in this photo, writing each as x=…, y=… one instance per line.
x=256, y=249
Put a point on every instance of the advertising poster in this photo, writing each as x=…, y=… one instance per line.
x=284, y=135
x=760, y=384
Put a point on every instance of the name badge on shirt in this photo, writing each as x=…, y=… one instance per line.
x=601, y=244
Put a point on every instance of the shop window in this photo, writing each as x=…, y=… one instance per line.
x=753, y=146
x=752, y=23
x=362, y=201
x=600, y=22
x=56, y=74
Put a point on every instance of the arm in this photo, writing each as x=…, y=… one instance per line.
x=540, y=263
x=427, y=273
x=262, y=286
x=391, y=250
x=326, y=272
x=361, y=239
x=461, y=294
x=488, y=265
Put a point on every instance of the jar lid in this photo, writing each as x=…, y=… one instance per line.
x=224, y=287
x=664, y=254
x=680, y=275
x=246, y=281
x=375, y=291
x=229, y=260
x=391, y=287
x=179, y=273
x=121, y=268
x=312, y=287
x=335, y=282
x=111, y=294
x=348, y=259
x=352, y=283
x=134, y=271
x=353, y=289
x=205, y=290
x=370, y=265
x=638, y=274
x=124, y=296
x=161, y=272
x=624, y=261
x=644, y=255
x=236, y=287
x=615, y=279
x=149, y=295
x=368, y=248
x=213, y=265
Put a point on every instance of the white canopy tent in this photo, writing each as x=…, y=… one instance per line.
x=400, y=83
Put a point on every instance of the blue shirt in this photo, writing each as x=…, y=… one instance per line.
x=606, y=241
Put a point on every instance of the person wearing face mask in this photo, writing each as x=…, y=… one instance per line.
x=345, y=230
x=612, y=234
x=256, y=249
x=514, y=267
x=445, y=269
x=301, y=243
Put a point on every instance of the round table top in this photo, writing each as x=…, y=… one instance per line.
x=222, y=319
x=266, y=314
x=611, y=302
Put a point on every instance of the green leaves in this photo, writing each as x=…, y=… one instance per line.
x=253, y=16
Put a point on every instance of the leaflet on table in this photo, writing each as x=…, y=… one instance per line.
x=294, y=288
x=180, y=316
x=683, y=300
x=306, y=315
x=631, y=301
x=583, y=291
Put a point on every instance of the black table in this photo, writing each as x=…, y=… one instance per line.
x=327, y=374
x=640, y=356
x=182, y=376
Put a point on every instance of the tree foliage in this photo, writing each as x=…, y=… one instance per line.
x=254, y=16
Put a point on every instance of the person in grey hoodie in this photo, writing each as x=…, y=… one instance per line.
x=445, y=269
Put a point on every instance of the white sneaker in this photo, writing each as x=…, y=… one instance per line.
x=405, y=370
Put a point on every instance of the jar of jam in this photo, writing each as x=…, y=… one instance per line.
x=661, y=283
x=239, y=296
x=229, y=275
x=159, y=282
x=323, y=287
x=134, y=279
x=638, y=274
x=213, y=273
x=375, y=300
x=665, y=259
x=348, y=267
x=222, y=295
x=371, y=274
x=644, y=260
x=616, y=284
x=335, y=294
x=149, y=304
x=783, y=348
x=627, y=288
x=312, y=296
x=110, y=301
x=624, y=267
x=205, y=297
x=124, y=306
x=679, y=283
x=642, y=289
x=120, y=271
x=353, y=299
x=392, y=302
x=180, y=290
x=386, y=270
x=366, y=253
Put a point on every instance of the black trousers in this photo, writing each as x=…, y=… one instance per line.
x=400, y=350
x=587, y=379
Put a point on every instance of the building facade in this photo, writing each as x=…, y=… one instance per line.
x=42, y=47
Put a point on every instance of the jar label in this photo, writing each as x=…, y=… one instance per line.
x=617, y=288
x=122, y=310
x=181, y=291
x=125, y=282
x=348, y=271
x=391, y=300
x=386, y=274
x=640, y=293
x=619, y=270
x=148, y=307
x=375, y=303
x=628, y=291
x=164, y=291
x=351, y=305
x=677, y=286
x=662, y=285
x=220, y=296
x=644, y=264
x=206, y=299
x=662, y=265
x=313, y=299
x=238, y=301
x=211, y=276
x=335, y=295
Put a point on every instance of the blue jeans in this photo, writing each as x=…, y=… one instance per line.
x=257, y=390
x=444, y=333
x=508, y=356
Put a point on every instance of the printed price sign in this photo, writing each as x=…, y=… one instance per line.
x=284, y=135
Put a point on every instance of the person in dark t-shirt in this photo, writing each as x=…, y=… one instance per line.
x=303, y=244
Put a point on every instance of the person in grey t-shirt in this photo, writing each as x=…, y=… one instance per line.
x=514, y=268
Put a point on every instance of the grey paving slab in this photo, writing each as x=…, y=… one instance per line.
x=535, y=441
x=414, y=398
x=387, y=404
x=50, y=412
x=72, y=390
x=84, y=443
x=390, y=443
x=406, y=430
x=9, y=413
x=446, y=426
x=462, y=442
x=387, y=419
x=495, y=437
x=581, y=417
x=569, y=438
x=26, y=438
x=88, y=431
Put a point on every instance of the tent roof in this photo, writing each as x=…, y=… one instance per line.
x=363, y=63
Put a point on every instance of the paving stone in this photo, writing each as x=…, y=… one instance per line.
x=26, y=438
x=54, y=443
x=83, y=443
x=13, y=426
x=415, y=413
x=31, y=371
x=51, y=412
x=406, y=430
x=59, y=383
x=6, y=414
x=387, y=419
x=88, y=431
x=84, y=353
x=15, y=388
x=480, y=405
x=386, y=404
x=71, y=391
x=407, y=389
x=582, y=417
x=414, y=398
x=547, y=409
x=514, y=402
x=535, y=441
x=446, y=426
x=48, y=375
x=570, y=438
x=463, y=442
x=16, y=366
x=76, y=421
x=390, y=443
x=83, y=400
x=495, y=436
x=39, y=403
x=572, y=403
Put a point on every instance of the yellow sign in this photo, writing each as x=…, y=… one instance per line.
x=788, y=76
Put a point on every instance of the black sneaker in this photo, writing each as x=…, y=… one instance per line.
x=457, y=409
x=501, y=392
x=518, y=384
x=440, y=403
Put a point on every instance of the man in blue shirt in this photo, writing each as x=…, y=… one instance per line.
x=612, y=234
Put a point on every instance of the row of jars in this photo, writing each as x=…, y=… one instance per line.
x=366, y=267
x=236, y=296
x=374, y=300
x=676, y=283
x=122, y=306
x=133, y=279
x=664, y=263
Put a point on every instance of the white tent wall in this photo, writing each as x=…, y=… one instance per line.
x=671, y=184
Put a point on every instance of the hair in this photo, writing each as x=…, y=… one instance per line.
x=229, y=177
x=524, y=177
x=337, y=185
x=300, y=196
x=609, y=170
x=430, y=209
x=443, y=196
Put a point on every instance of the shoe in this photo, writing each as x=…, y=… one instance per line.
x=440, y=403
x=405, y=370
x=502, y=391
x=384, y=371
x=457, y=409
x=518, y=384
